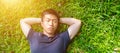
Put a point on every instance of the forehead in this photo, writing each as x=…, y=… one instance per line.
x=50, y=16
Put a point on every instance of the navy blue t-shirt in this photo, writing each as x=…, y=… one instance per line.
x=40, y=43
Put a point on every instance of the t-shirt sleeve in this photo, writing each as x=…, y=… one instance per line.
x=30, y=34
x=65, y=36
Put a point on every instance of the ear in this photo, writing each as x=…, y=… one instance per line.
x=42, y=23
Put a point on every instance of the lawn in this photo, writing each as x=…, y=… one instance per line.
x=99, y=33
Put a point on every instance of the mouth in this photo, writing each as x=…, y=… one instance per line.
x=50, y=28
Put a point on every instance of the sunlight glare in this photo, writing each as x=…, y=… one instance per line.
x=10, y=2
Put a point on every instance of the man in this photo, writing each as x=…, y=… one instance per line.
x=49, y=41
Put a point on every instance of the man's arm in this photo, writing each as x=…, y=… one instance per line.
x=74, y=25
x=26, y=24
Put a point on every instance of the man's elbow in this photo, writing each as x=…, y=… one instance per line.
x=21, y=20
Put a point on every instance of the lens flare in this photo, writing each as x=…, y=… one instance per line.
x=10, y=2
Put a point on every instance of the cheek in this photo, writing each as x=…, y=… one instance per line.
x=44, y=25
x=56, y=25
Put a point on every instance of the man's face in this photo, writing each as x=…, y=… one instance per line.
x=49, y=23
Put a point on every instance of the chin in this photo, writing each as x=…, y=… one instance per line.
x=50, y=32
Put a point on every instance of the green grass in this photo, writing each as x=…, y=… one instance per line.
x=100, y=31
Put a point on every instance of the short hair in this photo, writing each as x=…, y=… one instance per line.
x=50, y=11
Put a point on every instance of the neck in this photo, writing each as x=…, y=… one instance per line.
x=48, y=34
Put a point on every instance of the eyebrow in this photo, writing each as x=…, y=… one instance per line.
x=52, y=18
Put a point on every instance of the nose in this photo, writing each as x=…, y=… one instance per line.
x=51, y=23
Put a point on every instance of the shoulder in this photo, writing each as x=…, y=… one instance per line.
x=32, y=34
x=64, y=35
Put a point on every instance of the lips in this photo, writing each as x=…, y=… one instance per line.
x=50, y=28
